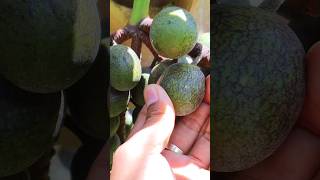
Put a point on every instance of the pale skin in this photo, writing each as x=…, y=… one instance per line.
x=143, y=155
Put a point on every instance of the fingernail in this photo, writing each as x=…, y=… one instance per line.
x=151, y=95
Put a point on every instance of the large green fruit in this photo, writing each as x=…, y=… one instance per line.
x=259, y=85
x=185, y=85
x=87, y=98
x=27, y=126
x=173, y=32
x=158, y=69
x=137, y=92
x=118, y=102
x=126, y=69
x=47, y=46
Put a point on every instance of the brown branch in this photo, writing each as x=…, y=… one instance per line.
x=203, y=52
x=146, y=40
x=120, y=36
x=136, y=45
x=145, y=25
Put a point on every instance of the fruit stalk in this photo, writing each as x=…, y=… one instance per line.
x=140, y=10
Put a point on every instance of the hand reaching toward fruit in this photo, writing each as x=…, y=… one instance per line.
x=145, y=155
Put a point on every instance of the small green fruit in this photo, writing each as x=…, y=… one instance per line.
x=137, y=92
x=158, y=70
x=173, y=32
x=185, y=59
x=125, y=71
x=118, y=102
x=185, y=85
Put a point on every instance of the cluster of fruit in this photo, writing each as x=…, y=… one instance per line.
x=178, y=67
x=52, y=68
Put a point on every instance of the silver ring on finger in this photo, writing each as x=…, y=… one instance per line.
x=175, y=149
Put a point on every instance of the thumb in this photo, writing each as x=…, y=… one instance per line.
x=159, y=121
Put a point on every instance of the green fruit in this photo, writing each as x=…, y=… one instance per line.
x=114, y=125
x=114, y=143
x=185, y=59
x=87, y=98
x=118, y=102
x=47, y=46
x=259, y=85
x=27, y=126
x=137, y=92
x=158, y=69
x=126, y=69
x=185, y=85
x=128, y=122
x=204, y=39
x=173, y=32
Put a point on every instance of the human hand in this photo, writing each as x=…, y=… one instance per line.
x=143, y=155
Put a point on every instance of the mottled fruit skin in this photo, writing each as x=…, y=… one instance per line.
x=125, y=71
x=173, y=32
x=118, y=102
x=137, y=92
x=47, y=46
x=258, y=85
x=185, y=85
x=158, y=69
x=27, y=126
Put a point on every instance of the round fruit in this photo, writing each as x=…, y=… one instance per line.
x=185, y=85
x=47, y=46
x=158, y=69
x=173, y=32
x=27, y=126
x=114, y=143
x=118, y=102
x=137, y=92
x=114, y=125
x=258, y=83
x=185, y=59
x=125, y=68
x=87, y=98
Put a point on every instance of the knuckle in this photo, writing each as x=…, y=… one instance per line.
x=156, y=109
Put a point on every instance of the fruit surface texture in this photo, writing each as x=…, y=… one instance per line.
x=173, y=32
x=125, y=72
x=47, y=46
x=185, y=85
x=258, y=85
